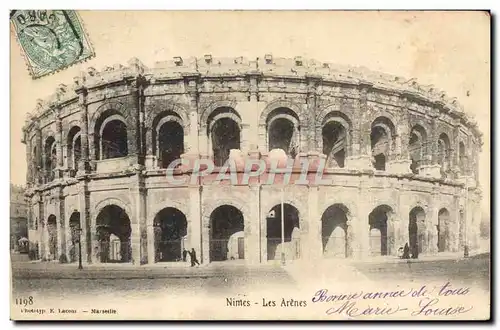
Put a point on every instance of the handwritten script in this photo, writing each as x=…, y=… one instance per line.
x=424, y=302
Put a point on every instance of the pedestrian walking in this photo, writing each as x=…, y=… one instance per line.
x=184, y=255
x=406, y=252
x=194, y=260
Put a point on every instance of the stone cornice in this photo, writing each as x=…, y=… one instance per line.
x=297, y=69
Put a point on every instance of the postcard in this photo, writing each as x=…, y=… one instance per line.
x=250, y=165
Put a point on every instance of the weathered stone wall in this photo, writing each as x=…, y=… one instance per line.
x=194, y=93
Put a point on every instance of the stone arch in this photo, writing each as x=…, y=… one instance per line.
x=157, y=109
x=335, y=223
x=333, y=110
x=418, y=235
x=226, y=233
x=210, y=206
x=334, y=137
x=52, y=228
x=417, y=146
x=279, y=245
x=381, y=230
x=283, y=131
x=116, y=145
x=73, y=146
x=113, y=230
x=152, y=213
x=383, y=141
x=281, y=103
x=443, y=230
x=444, y=153
x=170, y=227
x=113, y=107
x=287, y=200
x=110, y=201
x=206, y=112
x=168, y=142
x=224, y=132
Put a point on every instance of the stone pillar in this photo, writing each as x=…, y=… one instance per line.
x=138, y=235
x=83, y=166
x=252, y=226
x=61, y=237
x=361, y=224
x=87, y=234
x=29, y=160
x=432, y=170
x=313, y=247
x=404, y=214
x=193, y=143
x=194, y=228
x=312, y=83
x=150, y=158
x=42, y=227
x=433, y=221
x=245, y=138
x=39, y=153
x=151, y=241
x=134, y=121
x=59, y=151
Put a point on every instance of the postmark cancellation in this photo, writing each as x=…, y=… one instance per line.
x=50, y=40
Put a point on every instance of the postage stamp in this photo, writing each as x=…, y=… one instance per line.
x=51, y=40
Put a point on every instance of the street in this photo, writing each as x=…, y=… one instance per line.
x=58, y=281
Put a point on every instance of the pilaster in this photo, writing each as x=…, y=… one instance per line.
x=194, y=228
x=252, y=227
x=138, y=235
x=313, y=249
x=87, y=234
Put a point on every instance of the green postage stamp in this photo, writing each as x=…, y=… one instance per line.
x=51, y=40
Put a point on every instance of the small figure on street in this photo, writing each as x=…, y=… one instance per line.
x=184, y=255
x=414, y=254
x=400, y=252
x=194, y=260
x=406, y=252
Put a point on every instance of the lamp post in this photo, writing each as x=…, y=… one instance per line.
x=78, y=232
x=283, y=226
x=466, y=214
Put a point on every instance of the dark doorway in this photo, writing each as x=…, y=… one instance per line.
x=291, y=233
x=170, y=234
x=113, y=232
x=226, y=234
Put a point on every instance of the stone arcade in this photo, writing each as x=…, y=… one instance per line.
x=402, y=159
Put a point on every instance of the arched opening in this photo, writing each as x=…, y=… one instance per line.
x=114, y=142
x=227, y=234
x=74, y=146
x=291, y=246
x=74, y=225
x=334, y=144
x=334, y=232
x=225, y=133
x=113, y=232
x=170, y=142
x=417, y=231
x=52, y=233
x=417, y=147
x=283, y=131
x=381, y=138
x=462, y=158
x=443, y=230
x=50, y=158
x=444, y=154
x=381, y=240
x=170, y=228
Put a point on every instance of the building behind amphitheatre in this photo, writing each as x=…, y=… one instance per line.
x=402, y=159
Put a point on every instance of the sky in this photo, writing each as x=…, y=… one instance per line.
x=450, y=50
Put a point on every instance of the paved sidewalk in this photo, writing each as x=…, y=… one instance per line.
x=54, y=270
